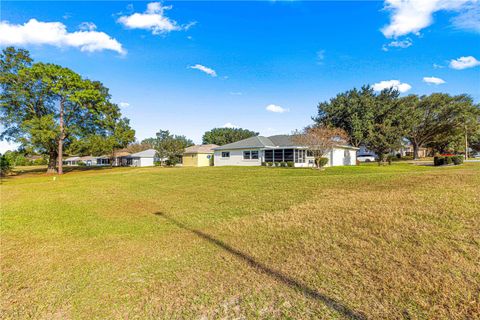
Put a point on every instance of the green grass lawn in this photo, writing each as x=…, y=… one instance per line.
x=392, y=242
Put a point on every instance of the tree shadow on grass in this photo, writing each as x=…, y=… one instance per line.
x=275, y=274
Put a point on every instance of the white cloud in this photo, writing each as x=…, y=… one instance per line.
x=275, y=108
x=153, y=19
x=87, y=26
x=468, y=19
x=55, y=33
x=5, y=146
x=411, y=16
x=230, y=125
x=464, y=63
x=433, y=80
x=396, y=84
x=320, y=56
x=438, y=66
x=124, y=104
x=202, y=68
x=398, y=44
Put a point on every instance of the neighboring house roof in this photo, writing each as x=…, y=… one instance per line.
x=86, y=158
x=122, y=154
x=74, y=158
x=252, y=142
x=149, y=153
x=278, y=141
x=203, y=148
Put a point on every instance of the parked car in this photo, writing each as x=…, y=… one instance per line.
x=365, y=158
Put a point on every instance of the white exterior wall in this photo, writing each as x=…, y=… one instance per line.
x=146, y=162
x=343, y=157
x=236, y=158
x=336, y=157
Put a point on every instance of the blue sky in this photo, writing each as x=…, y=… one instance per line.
x=192, y=66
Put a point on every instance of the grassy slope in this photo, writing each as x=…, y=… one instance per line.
x=393, y=242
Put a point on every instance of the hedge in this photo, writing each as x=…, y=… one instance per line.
x=446, y=160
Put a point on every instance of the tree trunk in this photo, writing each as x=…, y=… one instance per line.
x=466, y=143
x=415, y=151
x=52, y=162
x=60, y=139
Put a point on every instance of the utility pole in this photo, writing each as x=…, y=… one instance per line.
x=466, y=142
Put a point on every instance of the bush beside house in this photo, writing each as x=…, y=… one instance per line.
x=447, y=160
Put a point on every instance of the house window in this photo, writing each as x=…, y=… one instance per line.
x=268, y=155
x=226, y=154
x=278, y=155
x=246, y=155
x=300, y=156
x=288, y=155
x=309, y=153
x=254, y=154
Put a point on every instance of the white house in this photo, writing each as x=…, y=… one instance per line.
x=146, y=158
x=280, y=148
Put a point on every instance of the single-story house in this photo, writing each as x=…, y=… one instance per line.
x=199, y=156
x=280, y=148
x=104, y=160
x=146, y=158
x=71, y=161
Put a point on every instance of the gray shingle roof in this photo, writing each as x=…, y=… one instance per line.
x=252, y=142
x=203, y=148
x=278, y=141
x=149, y=153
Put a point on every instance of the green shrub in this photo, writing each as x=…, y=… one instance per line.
x=290, y=164
x=322, y=162
x=283, y=164
x=457, y=160
x=438, y=160
x=264, y=164
x=5, y=166
x=39, y=162
x=445, y=160
x=81, y=164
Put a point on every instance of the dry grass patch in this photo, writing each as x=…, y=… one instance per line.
x=364, y=242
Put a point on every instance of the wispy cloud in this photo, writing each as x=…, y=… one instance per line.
x=464, y=63
x=124, y=104
x=411, y=16
x=433, y=80
x=153, y=19
x=468, y=19
x=276, y=109
x=202, y=68
x=320, y=56
x=235, y=93
x=396, y=84
x=230, y=125
x=35, y=32
x=398, y=44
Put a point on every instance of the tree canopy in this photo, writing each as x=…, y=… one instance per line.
x=46, y=107
x=221, y=136
x=382, y=121
x=169, y=147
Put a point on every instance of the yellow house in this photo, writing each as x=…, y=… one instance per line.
x=199, y=156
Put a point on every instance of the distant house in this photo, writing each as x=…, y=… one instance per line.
x=199, y=156
x=280, y=148
x=406, y=150
x=146, y=158
x=71, y=161
x=105, y=160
